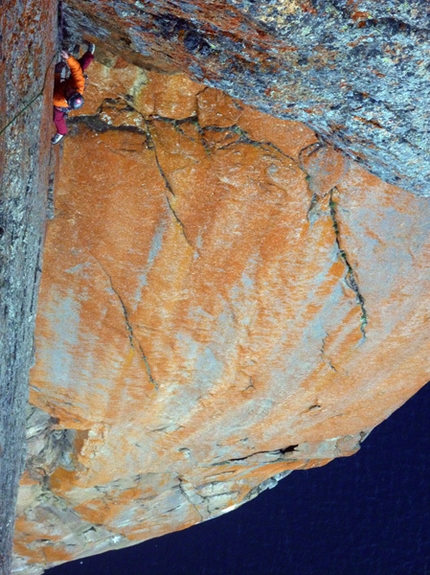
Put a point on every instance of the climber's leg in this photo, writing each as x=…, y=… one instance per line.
x=60, y=121
x=88, y=57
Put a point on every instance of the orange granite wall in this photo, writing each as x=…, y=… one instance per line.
x=225, y=299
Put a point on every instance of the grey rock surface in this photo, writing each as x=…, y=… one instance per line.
x=26, y=170
x=356, y=72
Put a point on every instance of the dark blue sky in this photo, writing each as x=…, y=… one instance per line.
x=368, y=514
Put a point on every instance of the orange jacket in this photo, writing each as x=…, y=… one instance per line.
x=75, y=82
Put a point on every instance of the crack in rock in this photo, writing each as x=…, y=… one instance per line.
x=262, y=457
x=350, y=278
x=234, y=129
x=244, y=138
x=324, y=356
x=98, y=124
x=47, y=445
x=181, y=225
x=134, y=342
x=166, y=181
x=190, y=495
x=177, y=124
x=157, y=161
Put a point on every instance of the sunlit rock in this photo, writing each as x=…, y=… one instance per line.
x=225, y=299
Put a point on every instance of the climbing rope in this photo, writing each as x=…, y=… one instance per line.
x=40, y=93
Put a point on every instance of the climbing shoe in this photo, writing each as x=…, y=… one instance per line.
x=55, y=139
x=91, y=48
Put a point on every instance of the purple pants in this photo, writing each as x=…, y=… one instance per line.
x=60, y=114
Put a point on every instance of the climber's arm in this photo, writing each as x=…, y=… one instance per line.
x=76, y=73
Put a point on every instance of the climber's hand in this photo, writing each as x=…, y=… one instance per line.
x=64, y=55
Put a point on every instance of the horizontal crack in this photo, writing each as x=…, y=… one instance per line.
x=177, y=125
x=245, y=139
x=274, y=453
x=243, y=136
x=313, y=147
x=98, y=125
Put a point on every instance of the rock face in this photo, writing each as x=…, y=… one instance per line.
x=225, y=299
x=356, y=71
x=26, y=173
x=227, y=296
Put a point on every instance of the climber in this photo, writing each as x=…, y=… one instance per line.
x=68, y=92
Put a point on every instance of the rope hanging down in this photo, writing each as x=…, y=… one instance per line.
x=59, y=43
x=32, y=99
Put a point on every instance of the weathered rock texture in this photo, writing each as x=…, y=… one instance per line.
x=356, y=71
x=26, y=170
x=225, y=299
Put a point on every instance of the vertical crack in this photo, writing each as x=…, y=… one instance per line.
x=350, y=278
x=324, y=356
x=181, y=225
x=152, y=145
x=312, y=213
x=134, y=342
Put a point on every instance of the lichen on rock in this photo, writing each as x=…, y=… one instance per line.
x=354, y=71
x=222, y=299
x=228, y=294
x=27, y=53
